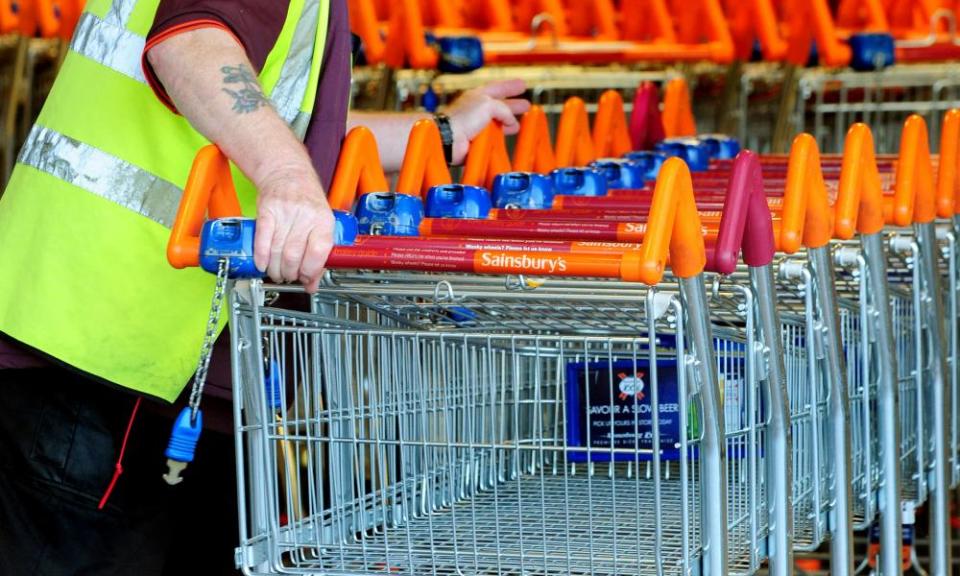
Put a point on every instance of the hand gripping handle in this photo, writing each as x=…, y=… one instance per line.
x=674, y=226
x=859, y=206
x=209, y=192
x=806, y=218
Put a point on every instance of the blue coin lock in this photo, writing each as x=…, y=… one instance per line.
x=232, y=238
x=650, y=162
x=457, y=201
x=460, y=54
x=871, y=51
x=721, y=147
x=579, y=182
x=184, y=436
x=389, y=214
x=620, y=173
x=691, y=150
x=522, y=190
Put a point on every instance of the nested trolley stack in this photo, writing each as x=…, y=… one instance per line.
x=503, y=402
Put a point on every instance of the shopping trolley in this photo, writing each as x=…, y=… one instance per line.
x=864, y=322
x=514, y=227
x=425, y=424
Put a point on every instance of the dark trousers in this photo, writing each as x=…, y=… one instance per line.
x=60, y=435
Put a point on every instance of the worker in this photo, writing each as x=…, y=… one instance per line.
x=99, y=334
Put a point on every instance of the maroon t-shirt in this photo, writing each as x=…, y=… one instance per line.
x=256, y=25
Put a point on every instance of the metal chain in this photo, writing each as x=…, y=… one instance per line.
x=206, y=350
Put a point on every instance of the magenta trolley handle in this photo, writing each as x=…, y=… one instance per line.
x=746, y=224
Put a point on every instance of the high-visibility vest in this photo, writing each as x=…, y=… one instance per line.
x=85, y=218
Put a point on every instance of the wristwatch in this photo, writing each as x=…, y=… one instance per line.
x=446, y=135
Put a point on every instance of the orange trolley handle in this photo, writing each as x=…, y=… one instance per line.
x=209, y=192
x=860, y=202
x=806, y=218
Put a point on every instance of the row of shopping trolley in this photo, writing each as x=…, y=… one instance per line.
x=586, y=371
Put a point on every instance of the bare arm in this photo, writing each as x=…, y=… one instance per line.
x=209, y=78
x=469, y=114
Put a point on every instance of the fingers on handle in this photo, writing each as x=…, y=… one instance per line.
x=504, y=88
x=263, y=238
x=319, y=245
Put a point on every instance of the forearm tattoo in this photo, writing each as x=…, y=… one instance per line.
x=247, y=97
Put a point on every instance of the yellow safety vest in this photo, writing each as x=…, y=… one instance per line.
x=85, y=218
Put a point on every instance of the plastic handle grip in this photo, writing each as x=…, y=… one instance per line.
x=746, y=223
x=358, y=170
x=487, y=158
x=533, y=151
x=209, y=190
x=860, y=201
x=363, y=20
x=424, y=165
x=768, y=30
x=915, y=196
x=948, y=184
x=677, y=112
x=673, y=226
x=806, y=216
x=610, y=135
x=646, y=122
x=574, y=141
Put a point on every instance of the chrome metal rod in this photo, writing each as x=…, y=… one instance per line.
x=713, y=445
x=888, y=404
x=841, y=556
x=779, y=447
x=933, y=308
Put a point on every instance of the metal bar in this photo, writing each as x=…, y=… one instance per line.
x=713, y=447
x=841, y=556
x=779, y=441
x=888, y=403
x=940, y=551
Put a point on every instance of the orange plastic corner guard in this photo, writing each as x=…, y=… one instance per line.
x=859, y=204
x=358, y=170
x=209, y=189
x=610, y=134
x=424, y=164
x=677, y=114
x=806, y=216
x=915, y=196
x=673, y=227
x=948, y=183
x=487, y=158
x=533, y=150
x=574, y=141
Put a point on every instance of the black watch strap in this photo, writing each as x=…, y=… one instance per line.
x=446, y=135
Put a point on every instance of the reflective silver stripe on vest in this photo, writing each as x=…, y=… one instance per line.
x=110, y=44
x=120, y=12
x=101, y=174
x=287, y=95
